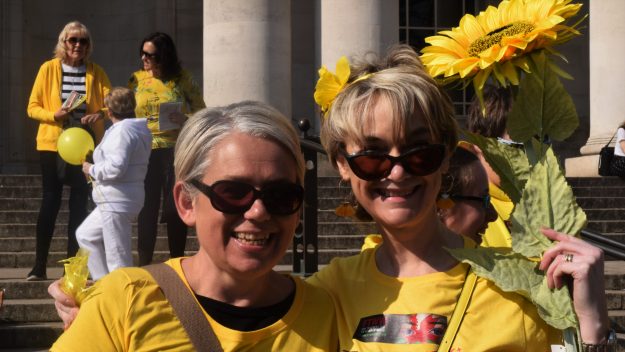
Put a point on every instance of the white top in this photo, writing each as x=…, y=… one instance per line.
x=620, y=136
x=120, y=165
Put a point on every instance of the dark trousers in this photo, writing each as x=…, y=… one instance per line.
x=52, y=182
x=160, y=179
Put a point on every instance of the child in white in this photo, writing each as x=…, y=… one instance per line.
x=120, y=165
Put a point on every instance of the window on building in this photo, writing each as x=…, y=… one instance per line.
x=419, y=19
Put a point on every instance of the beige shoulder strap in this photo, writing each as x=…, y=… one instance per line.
x=459, y=310
x=185, y=306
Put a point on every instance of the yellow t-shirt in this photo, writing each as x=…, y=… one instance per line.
x=128, y=312
x=377, y=312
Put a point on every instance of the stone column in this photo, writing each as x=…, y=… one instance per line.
x=607, y=74
x=355, y=27
x=247, y=52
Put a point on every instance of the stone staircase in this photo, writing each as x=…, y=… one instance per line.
x=28, y=320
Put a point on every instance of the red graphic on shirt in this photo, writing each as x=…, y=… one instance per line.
x=402, y=328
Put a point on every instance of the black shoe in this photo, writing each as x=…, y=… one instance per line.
x=37, y=275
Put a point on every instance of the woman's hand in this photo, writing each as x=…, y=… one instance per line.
x=178, y=117
x=61, y=115
x=91, y=118
x=579, y=264
x=66, y=306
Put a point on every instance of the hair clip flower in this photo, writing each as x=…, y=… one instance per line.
x=329, y=84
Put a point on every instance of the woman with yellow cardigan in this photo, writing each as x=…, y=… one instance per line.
x=69, y=71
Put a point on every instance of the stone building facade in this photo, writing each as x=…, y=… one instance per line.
x=270, y=50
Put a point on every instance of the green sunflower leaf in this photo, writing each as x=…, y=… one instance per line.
x=542, y=106
x=547, y=200
x=512, y=272
x=508, y=162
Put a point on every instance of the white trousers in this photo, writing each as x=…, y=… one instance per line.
x=107, y=237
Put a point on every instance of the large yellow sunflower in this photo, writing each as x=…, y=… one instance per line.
x=496, y=40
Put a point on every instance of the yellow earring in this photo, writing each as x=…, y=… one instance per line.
x=444, y=202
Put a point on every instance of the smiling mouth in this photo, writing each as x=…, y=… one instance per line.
x=251, y=239
x=396, y=193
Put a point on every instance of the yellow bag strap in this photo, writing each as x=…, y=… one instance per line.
x=459, y=310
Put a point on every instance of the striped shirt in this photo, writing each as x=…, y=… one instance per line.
x=74, y=80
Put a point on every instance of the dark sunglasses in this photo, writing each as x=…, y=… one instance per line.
x=371, y=165
x=148, y=55
x=75, y=40
x=484, y=200
x=234, y=197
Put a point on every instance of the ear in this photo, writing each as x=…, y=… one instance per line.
x=343, y=167
x=184, y=204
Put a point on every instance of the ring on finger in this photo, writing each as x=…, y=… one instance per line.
x=568, y=257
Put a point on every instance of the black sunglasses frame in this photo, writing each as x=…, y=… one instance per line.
x=401, y=159
x=75, y=40
x=297, y=191
x=484, y=200
x=148, y=55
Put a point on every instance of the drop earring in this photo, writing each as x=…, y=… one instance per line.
x=346, y=209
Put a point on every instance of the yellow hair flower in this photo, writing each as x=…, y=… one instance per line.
x=497, y=40
x=329, y=84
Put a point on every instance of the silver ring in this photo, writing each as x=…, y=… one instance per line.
x=568, y=257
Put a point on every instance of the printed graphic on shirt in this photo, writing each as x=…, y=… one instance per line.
x=401, y=328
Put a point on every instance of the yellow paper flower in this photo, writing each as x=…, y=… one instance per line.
x=496, y=40
x=330, y=84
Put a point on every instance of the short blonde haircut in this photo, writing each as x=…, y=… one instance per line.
x=121, y=102
x=60, y=51
x=207, y=127
x=411, y=92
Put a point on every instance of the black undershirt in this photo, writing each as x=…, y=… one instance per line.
x=245, y=318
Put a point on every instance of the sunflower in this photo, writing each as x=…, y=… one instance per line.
x=496, y=40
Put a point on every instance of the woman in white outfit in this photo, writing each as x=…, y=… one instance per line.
x=120, y=165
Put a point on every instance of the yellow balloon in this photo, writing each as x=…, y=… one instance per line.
x=74, y=144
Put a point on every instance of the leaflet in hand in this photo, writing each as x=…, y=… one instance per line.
x=74, y=100
x=166, y=109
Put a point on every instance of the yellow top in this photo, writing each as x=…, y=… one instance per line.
x=45, y=100
x=127, y=311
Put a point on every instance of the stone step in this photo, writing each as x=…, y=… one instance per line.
x=31, y=204
x=29, y=337
x=607, y=226
x=610, y=181
x=29, y=310
x=29, y=230
x=59, y=244
x=19, y=180
x=600, y=202
x=617, y=191
x=605, y=214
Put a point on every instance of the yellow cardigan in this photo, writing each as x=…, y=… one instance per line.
x=45, y=100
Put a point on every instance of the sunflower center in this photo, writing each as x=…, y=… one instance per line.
x=495, y=37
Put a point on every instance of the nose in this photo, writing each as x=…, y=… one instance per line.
x=257, y=212
x=398, y=172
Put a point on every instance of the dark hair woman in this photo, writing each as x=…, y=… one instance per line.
x=162, y=82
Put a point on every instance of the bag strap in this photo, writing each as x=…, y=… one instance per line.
x=459, y=310
x=185, y=306
x=611, y=139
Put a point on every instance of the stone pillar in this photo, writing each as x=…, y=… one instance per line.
x=607, y=74
x=355, y=27
x=247, y=52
